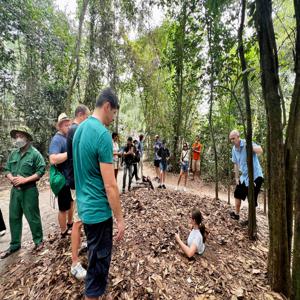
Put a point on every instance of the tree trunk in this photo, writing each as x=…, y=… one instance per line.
x=229, y=162
x=91, y=88
x=278, y=263
x=293, y=163
x=76, y=56
x=211, y=101
x=179, y=82
x=251, y=201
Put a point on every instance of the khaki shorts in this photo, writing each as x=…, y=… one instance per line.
x=75, y=211
x=195, y=165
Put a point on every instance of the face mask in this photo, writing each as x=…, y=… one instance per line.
x=20, y=143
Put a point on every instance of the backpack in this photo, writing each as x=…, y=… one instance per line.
x=57, y=180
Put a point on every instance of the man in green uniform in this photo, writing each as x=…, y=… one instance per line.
x=25, y=166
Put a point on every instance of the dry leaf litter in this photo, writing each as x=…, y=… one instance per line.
x=148, y=264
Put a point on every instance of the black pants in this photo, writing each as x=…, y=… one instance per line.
x=99, y=243
x=2, y=224
x=135, y=171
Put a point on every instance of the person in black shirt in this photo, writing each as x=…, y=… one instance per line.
x=129, y=157
x=136, y=160
x=164, y=153
x=81, y=113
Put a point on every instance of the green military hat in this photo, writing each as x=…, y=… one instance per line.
x=23, y=129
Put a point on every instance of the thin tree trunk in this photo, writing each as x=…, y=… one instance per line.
x=211, y=100
x=251, y=201
x=93, y=76
x=293, y=150
x=179, y=82
x=278, y=263
x=76, y=56
x=229, y=154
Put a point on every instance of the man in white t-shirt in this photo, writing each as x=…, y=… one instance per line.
x=116, y=153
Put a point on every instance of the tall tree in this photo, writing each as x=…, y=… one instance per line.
x=293, y=164
x=76, y=57
x=179, y=78
x=278, y=262
x=251, y=201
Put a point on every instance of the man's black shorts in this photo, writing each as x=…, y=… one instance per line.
x=241, y=190
x=156, y=163
x=99, y=243
x=64, y=198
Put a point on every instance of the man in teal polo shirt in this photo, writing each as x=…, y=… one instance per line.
x=239, y=158
x=97, y=192
x=25, y=166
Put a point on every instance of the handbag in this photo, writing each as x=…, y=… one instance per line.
x=57, y=180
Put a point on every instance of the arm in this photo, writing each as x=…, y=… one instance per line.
x=236, y=173
x=257, y=149
x=112, y=191
x=189, y=251
x=10, y=177
x=18, y=180
x=129, y=152
x=194, y=149
x=58, y=158
x=39, y=164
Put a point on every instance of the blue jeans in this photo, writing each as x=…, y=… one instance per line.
x=185, y=166
x=163, y=165
x=99, y=243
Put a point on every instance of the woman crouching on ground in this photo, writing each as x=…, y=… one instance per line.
x=197, y=237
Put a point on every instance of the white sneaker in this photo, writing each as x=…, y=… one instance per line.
x=78, y=271
x=2, y=233
x=184, y=189
x=176, y=188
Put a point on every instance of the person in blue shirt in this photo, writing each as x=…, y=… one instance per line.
x=239, y=158
x=58, y=156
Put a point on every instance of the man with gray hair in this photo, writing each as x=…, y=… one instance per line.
x=239, y=158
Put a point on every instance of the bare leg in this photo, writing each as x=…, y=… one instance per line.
x=164, y=177
x=157, y=172
x=237, y=206
x=179, y=178
x=70, y=213
x=193, y=169
x=75, y=241
x=185, y=178
x=62, y=220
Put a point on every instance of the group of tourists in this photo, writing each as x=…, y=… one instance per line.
x=187, y=157
x=85, y=160
x=131, y=158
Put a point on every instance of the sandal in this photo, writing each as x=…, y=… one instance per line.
x=65, y=233
x=38, y=247
x=8, y=252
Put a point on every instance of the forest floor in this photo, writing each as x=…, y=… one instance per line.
x=147, y=264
